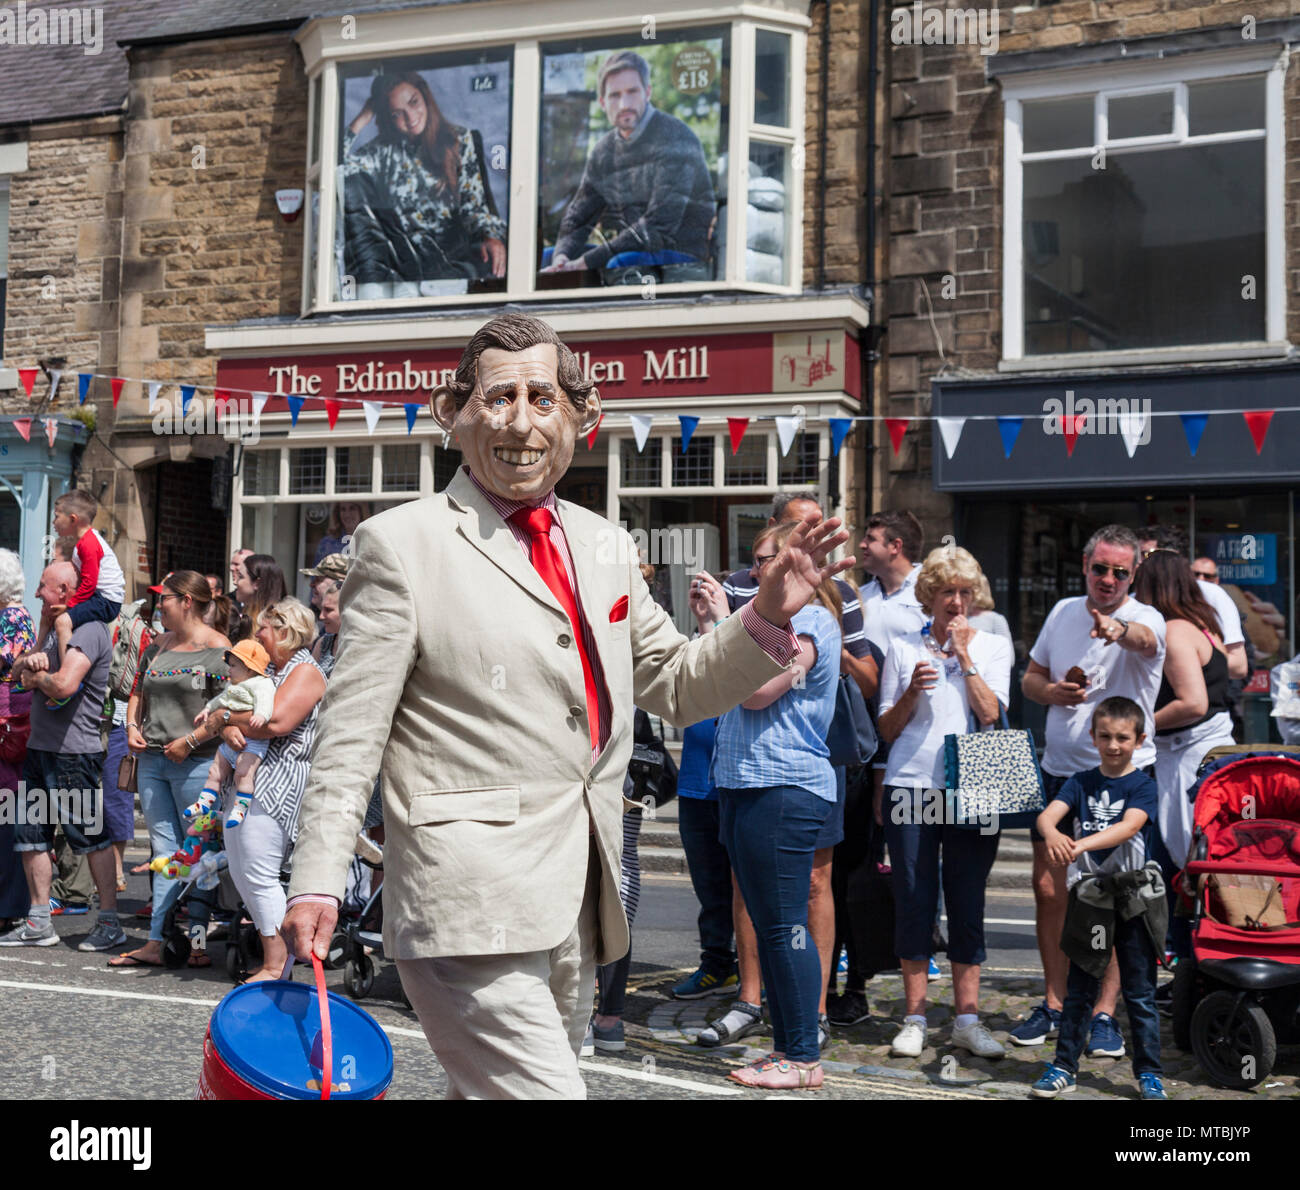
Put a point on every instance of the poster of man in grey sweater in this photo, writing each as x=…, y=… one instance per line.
x=646, y=184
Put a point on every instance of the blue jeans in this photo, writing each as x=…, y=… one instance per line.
x=710, y=869
x=166, y=788
x=771, y=835
x=1137, y=976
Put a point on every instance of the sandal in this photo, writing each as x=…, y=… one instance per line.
x=780, y=1076
x=719, y=1032
x=199, y=960
x=132, y=960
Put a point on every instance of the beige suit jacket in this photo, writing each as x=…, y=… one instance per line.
x=458, y=675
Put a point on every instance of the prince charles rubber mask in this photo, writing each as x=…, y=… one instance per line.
x=516, y=406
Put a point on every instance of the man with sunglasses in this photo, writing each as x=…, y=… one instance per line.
x=1119, y=645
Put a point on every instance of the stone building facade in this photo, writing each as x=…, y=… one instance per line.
x=160, y=226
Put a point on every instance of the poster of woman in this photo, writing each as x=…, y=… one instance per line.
x=423, y=164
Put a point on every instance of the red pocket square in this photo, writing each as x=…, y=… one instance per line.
x=619, y=610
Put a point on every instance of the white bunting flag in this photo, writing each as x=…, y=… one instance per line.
x=259, y=403
x=950, y=428
x=1135, y=428
x=786, y=428
x=641, y=429
x=372, y=411
x=154, y=386
x=55, y=377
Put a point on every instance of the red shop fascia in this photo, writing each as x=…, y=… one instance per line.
x=672, y=367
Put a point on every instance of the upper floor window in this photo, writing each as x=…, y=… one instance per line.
x=1140, y=216
x=574, y=163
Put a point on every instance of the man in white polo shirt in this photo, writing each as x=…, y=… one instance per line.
x=890, y=550
x=1090, y=647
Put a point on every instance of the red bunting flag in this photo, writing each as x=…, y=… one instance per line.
x=736, y=427
x=897, y=428
x=1071, y=426
x=331, y=411
x=24, y=426
x=115, y=383
x=219, y=398
x=591, y=438
x=28, y=377
x=51, y=425
x=1257, y=421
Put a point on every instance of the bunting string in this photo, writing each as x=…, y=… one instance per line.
x=1069, y=426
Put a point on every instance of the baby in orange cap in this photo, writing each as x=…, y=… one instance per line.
x=249, y=689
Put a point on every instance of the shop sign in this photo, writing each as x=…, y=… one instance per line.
x=703, y=365
x=1249, y=558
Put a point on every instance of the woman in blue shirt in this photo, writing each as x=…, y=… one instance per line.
x=776, y=787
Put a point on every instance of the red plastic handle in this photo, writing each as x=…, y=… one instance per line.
x=327, y=1039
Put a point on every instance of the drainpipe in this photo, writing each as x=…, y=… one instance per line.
x=822, y=137
x=871, y=339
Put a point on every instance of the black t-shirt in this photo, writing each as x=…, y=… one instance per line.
x=1098, y=802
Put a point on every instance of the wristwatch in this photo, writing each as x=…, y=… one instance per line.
x=225, y=715
x=1123, y=634
x=970, y=673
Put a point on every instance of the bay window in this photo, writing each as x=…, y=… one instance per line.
x=449, y=162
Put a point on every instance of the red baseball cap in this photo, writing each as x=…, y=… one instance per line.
x=158, y=590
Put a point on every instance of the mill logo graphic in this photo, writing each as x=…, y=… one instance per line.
x=1103, y=811
x=806, y=369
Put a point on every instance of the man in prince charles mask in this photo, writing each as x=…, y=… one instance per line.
x=494, y=642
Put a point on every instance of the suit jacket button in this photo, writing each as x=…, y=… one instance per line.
x=576, y=712
x=564, y=640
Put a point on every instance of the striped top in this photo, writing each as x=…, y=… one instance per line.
x=282, y=776
x=785, y=742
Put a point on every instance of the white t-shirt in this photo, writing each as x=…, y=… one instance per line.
x=916, y=756
x=1225, y=609
x=1065, y=642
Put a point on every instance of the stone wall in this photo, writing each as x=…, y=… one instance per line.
x=942, y=211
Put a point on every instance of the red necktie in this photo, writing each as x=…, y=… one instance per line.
x=547, y=562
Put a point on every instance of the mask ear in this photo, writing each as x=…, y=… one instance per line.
x=591, y=416
x=442, y=404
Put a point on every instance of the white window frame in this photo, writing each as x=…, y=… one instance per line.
x=403, y=33
x=1126, y=79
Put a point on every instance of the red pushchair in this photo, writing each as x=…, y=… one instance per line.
x=1238, y=996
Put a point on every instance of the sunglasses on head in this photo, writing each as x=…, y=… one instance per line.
x=1101, y=570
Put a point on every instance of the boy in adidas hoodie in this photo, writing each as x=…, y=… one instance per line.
x=1109, y=813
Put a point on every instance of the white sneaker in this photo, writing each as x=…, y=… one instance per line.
x=978, y=1040
x=909, y=1041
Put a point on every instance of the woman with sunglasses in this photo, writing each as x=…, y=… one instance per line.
x=178, y=673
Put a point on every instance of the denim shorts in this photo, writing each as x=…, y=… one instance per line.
x=832, y=832
x=80, y=813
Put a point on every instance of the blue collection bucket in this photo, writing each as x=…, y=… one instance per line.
x=270, y=1040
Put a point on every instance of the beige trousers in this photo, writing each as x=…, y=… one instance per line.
x=510, y=1026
